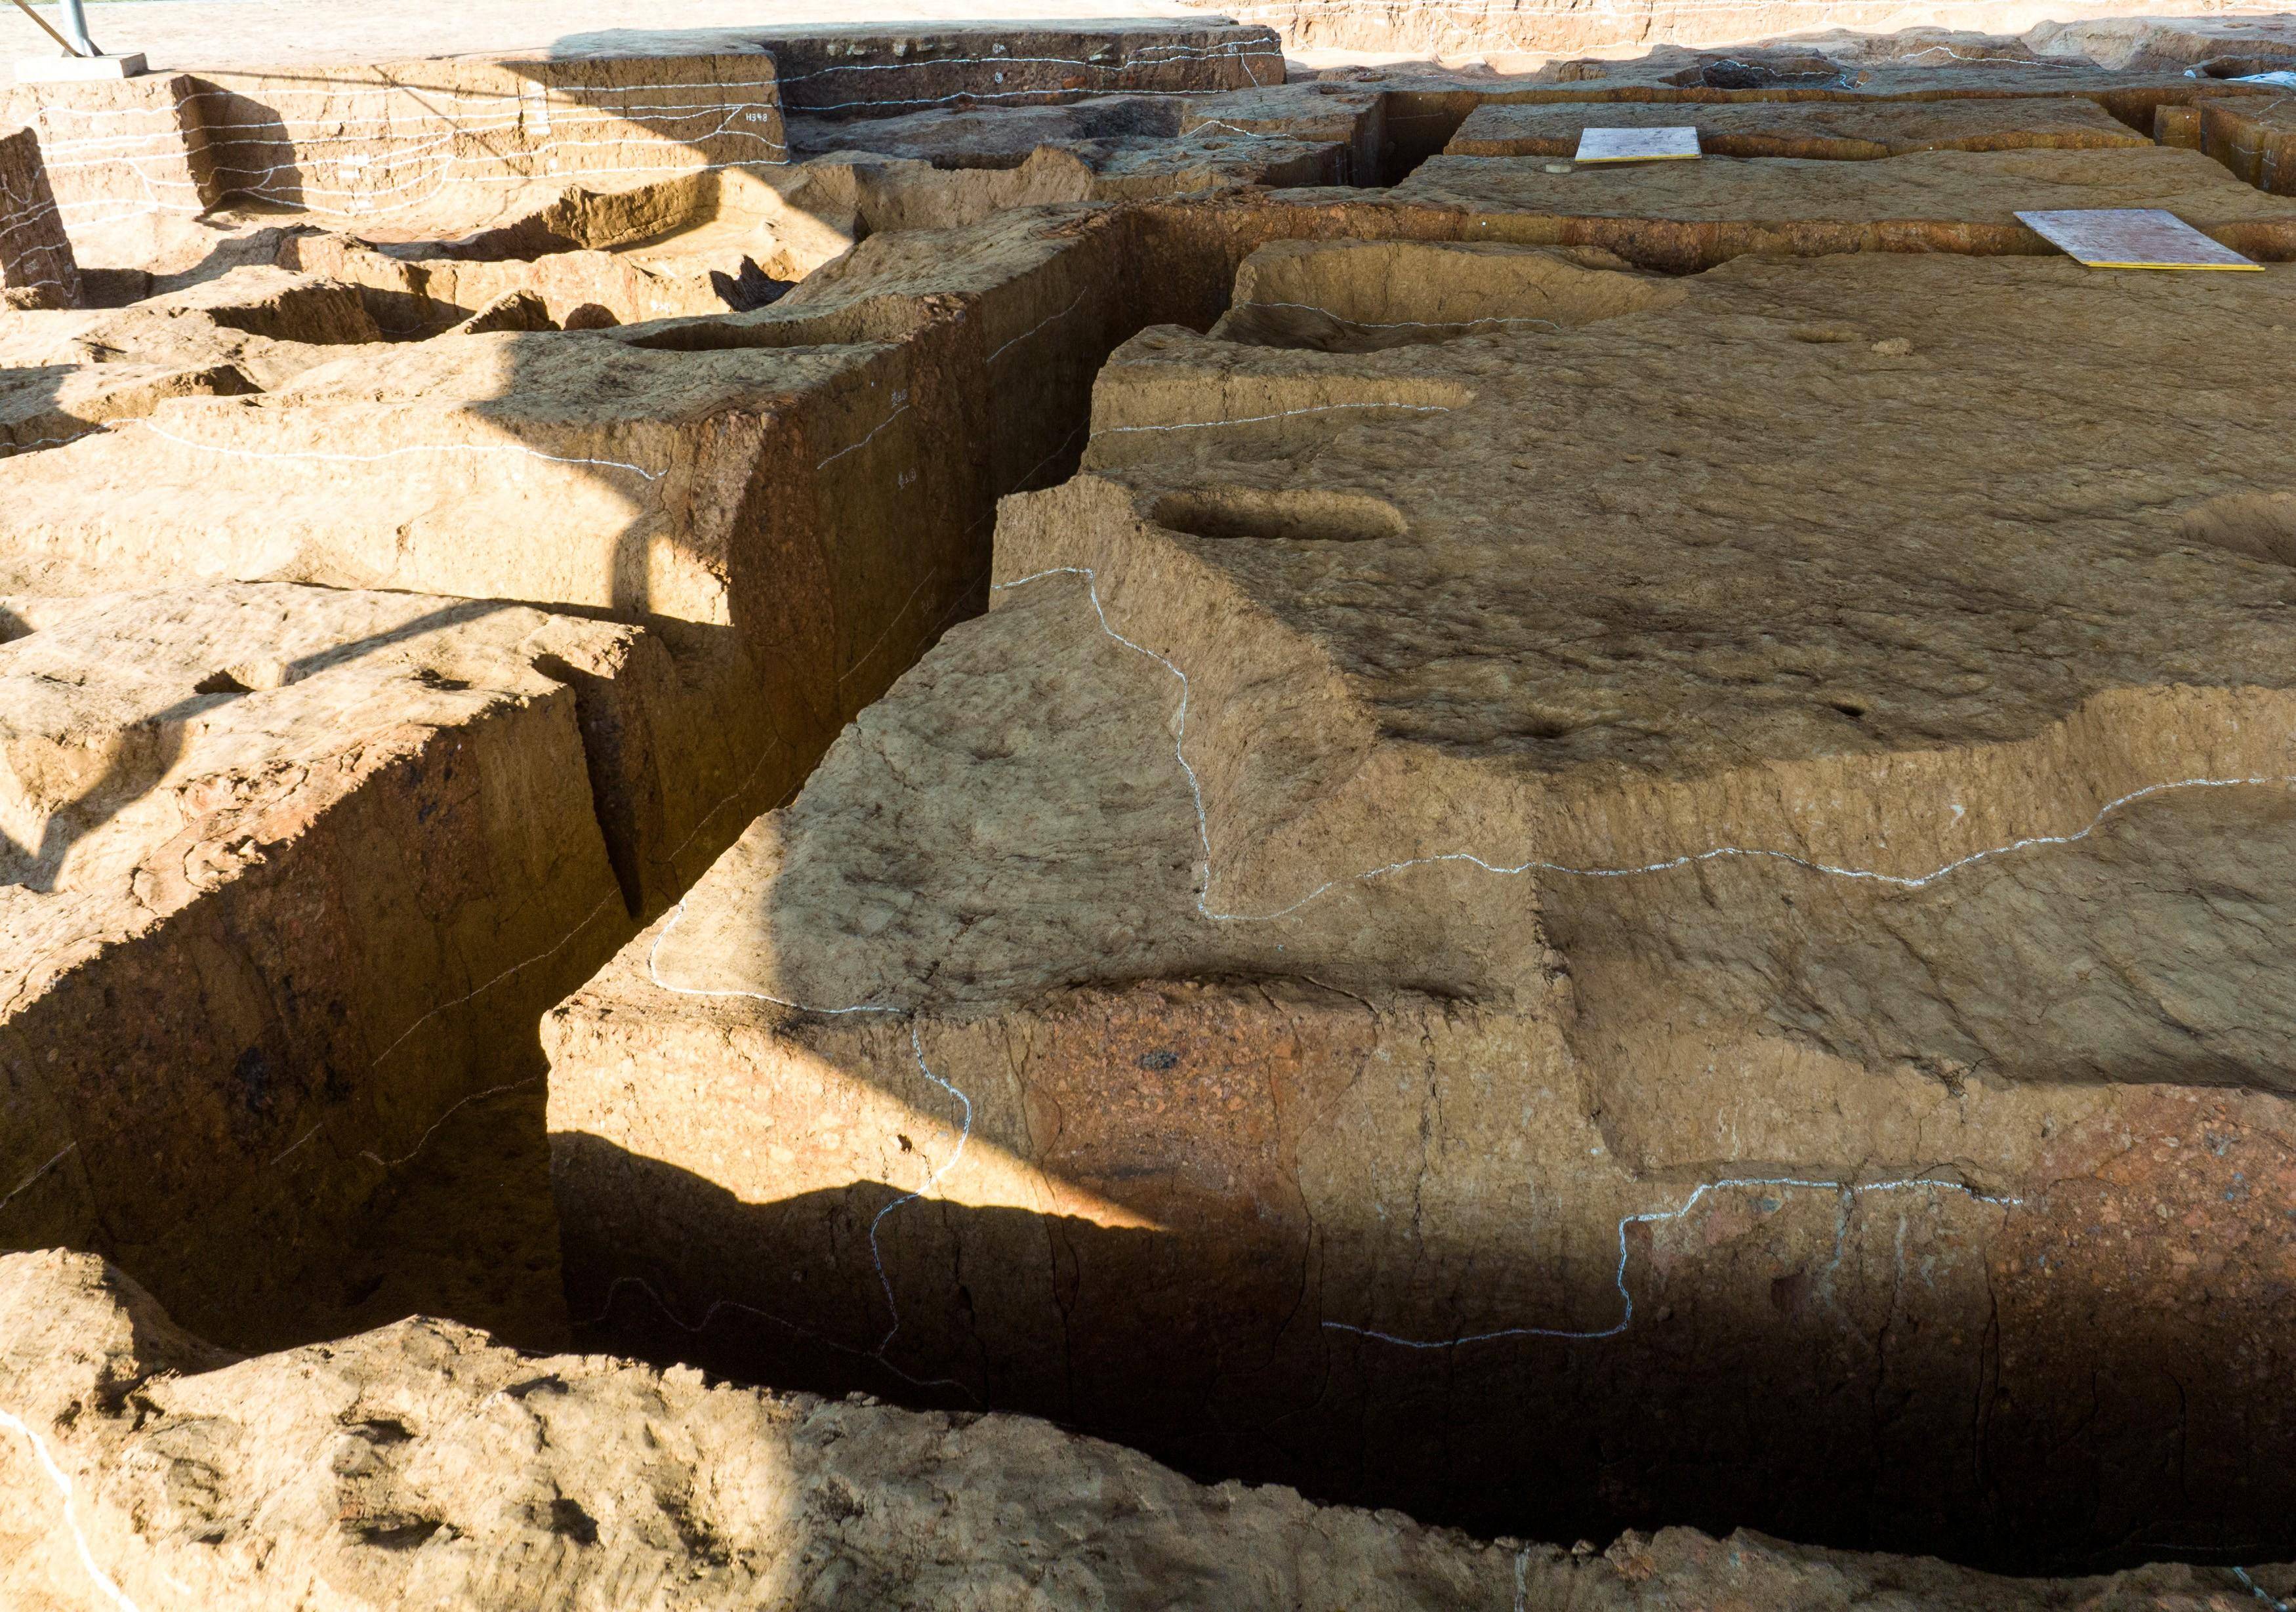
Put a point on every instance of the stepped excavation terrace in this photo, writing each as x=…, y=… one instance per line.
x=1143, y=811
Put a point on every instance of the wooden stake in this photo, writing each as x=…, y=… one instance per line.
x=24, y=6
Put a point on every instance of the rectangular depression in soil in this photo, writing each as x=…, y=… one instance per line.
x=1682, y=217
x=1700, y=884
x=797, y=498
x=286, y=875
x=1817, y=129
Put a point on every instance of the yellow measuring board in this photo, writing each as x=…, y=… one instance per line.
x=2132, y=237
x=1635, y=144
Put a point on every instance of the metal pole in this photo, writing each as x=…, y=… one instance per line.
x=76, y=28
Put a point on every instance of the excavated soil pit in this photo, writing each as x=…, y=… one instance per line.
x=1813, y=129
x=1711, y=1004
x=758, y=519
x=1614, y=852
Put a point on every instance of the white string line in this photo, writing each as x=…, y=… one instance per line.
x=434, y=125
x=64, y=1486
x=609, y=898
x=525, y=111
x=22, y=1186
x=1033, y=329
x=1985, y=61
x=1688, y=859
x=1898, y=881
x=1847, y=1190
x=563, y=940
x=614, y=1288
x=764, y=755
x=635, y=119
x=422, y=147
x=396, y=453
x=445, y=139
x=2257, y=1590
x=423, y=1140
x=931, y=1183
x=924, y=582
x=1274, y=129
x=532, y=93
x=916, y=1046
x=637, y=124
x=1319, y=408
x=446, y=180
x=280, y=1158
x=864, y=442
x=10, y=445
x=25, y=215
x=443, y=177
x=33, y=284
x=1026, y=477
x=766, y=752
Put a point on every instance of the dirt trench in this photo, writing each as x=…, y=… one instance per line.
x=1397, y=842
x=1880, y=1142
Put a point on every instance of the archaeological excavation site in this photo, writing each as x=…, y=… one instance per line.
x=1352, y=806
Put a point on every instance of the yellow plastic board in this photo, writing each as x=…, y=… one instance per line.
x=1635, y=144
x=2132, y=237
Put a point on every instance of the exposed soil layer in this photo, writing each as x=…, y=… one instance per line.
x=161, y=173
x=36, y=266
x=288, y=873
x=69, y=373
x=2254, y=136
x=1680, y=216
x=764, y=516
x=1816, y=129
x=1889, y=1142
x=186, y=1472
x=1614, y=856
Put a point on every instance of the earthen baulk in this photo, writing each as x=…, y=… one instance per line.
x=746, y=787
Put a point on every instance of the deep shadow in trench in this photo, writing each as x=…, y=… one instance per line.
x=1718, y=1410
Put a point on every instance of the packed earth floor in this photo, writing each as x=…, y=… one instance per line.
x=1020, y=815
